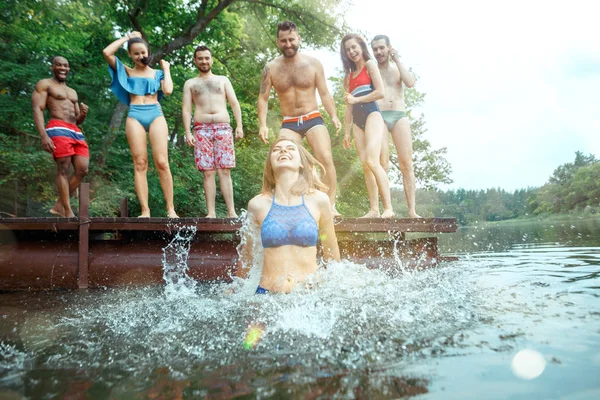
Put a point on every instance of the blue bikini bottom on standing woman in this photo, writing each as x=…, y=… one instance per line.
x=145, y=114
x=361, y=111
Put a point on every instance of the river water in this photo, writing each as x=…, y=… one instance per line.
x=516, y=317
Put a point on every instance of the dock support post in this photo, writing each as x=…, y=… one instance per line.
x=84, y=235
x=123, y=208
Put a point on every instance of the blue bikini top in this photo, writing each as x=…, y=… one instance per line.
x=289, y=225
x=123, y=85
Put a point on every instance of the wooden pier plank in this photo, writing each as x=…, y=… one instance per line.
x=223, y=225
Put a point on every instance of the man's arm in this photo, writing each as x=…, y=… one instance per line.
x=263, y=104
x=325, y=96
x=405, y=75
x=38, y=102
x=81, y=110
x=235, y=107
x=186, y=113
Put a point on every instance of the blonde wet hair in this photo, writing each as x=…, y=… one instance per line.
x=308, y=180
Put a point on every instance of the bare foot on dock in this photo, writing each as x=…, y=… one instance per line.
x=232, y=215
x=210, y=216
x=58, y=210
x=413, y=215
x=388, y=214
x=172, y=214
x=371, y=214
x=334, y=212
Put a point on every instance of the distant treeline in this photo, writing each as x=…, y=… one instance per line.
x=573, y=187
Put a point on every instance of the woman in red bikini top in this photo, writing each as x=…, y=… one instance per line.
x=363, y=87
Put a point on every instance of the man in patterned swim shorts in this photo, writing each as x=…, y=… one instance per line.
x=213, y=137
x=62, y=137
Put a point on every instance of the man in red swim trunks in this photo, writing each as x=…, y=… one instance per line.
x=213, y=137
x=62, y=137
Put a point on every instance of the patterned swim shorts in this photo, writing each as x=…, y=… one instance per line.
x=214, y=146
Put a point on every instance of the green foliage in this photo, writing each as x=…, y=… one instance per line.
x=241, y=35
x=469, y=206
x=25, y=174
x=572, y=186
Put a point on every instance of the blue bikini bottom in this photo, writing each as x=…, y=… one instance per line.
x=361, y=111
x=261, y=290
x=145, y=114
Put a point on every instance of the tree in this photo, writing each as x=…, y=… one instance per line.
x=571, y=186
x=430, y=165
x=240, y=33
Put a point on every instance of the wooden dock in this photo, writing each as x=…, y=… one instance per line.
x=56, y=253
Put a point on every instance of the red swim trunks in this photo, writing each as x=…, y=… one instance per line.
x=68, y=139
x=214, y=146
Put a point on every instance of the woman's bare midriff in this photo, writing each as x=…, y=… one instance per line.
x=286, y=267
x=147, y=99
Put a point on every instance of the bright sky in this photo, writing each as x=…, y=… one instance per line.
x=512, y=87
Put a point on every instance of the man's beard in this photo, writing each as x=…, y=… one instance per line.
x=205, y=69
x=293, y=52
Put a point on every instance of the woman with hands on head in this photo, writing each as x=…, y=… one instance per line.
x=141, y=88
x=364, y=86
x=293, y=213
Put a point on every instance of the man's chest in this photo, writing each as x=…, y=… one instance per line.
x=208, y=87
x=62, y=93
x=298, y=76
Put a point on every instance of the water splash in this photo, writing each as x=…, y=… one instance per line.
x=346, y=317
x=249, y=235
x=174, y=261
x=354, y=329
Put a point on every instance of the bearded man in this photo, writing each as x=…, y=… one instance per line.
x=296, y=77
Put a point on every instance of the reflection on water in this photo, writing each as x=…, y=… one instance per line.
x=449, y=332
x=507, y=235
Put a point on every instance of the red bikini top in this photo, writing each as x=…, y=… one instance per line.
x=361, y=79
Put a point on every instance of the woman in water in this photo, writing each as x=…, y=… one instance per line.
x=141, y=88
x=292, y=212
x=364, y=86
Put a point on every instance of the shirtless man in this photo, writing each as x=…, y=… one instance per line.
x=213, y=136
x=295, y=78
x=395, y=77
x=62, y=137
